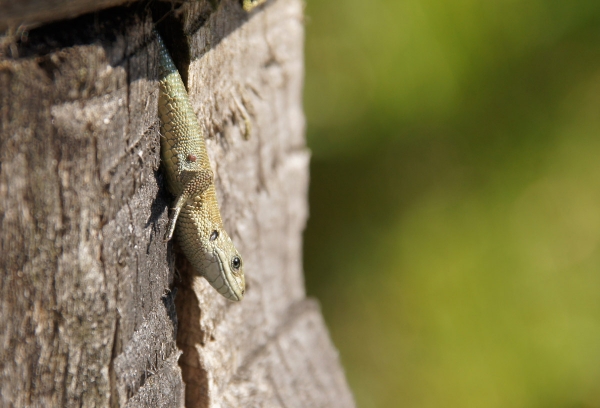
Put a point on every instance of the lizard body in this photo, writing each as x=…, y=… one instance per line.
x=189, y=176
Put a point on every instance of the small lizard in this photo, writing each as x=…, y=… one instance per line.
x=189, y=177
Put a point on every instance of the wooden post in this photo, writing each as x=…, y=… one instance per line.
x=95, y=309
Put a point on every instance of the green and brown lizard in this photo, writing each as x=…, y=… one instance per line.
x=189, y=177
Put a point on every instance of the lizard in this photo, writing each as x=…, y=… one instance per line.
x=190, y=179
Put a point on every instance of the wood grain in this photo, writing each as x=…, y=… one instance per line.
x=96, y=309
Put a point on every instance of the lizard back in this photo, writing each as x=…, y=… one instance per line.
x=183, y=149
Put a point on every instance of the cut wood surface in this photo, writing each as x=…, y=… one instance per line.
x=15, y=13
x=96, y=310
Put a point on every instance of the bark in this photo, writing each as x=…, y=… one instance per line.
x=96, y=309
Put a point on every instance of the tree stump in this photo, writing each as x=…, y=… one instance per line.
x=96, y=310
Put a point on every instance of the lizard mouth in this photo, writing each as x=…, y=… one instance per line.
x=230, y=285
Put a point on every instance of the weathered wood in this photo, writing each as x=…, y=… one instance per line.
x=92, y=309
x=34, y=12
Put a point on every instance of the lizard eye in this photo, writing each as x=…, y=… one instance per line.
x=214, y=235
x=236, y=262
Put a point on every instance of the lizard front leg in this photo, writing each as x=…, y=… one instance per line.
x=196, y=185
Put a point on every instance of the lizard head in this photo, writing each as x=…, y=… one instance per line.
x=225, y=273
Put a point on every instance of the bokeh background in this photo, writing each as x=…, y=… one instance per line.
x=455, y=198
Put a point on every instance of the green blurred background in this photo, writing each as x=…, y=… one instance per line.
x=455, y=198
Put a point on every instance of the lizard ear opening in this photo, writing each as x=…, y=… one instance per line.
x=214, y=235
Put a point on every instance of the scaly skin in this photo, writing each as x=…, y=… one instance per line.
x=189, y=177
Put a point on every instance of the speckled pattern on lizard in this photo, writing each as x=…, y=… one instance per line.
x=195, y=216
